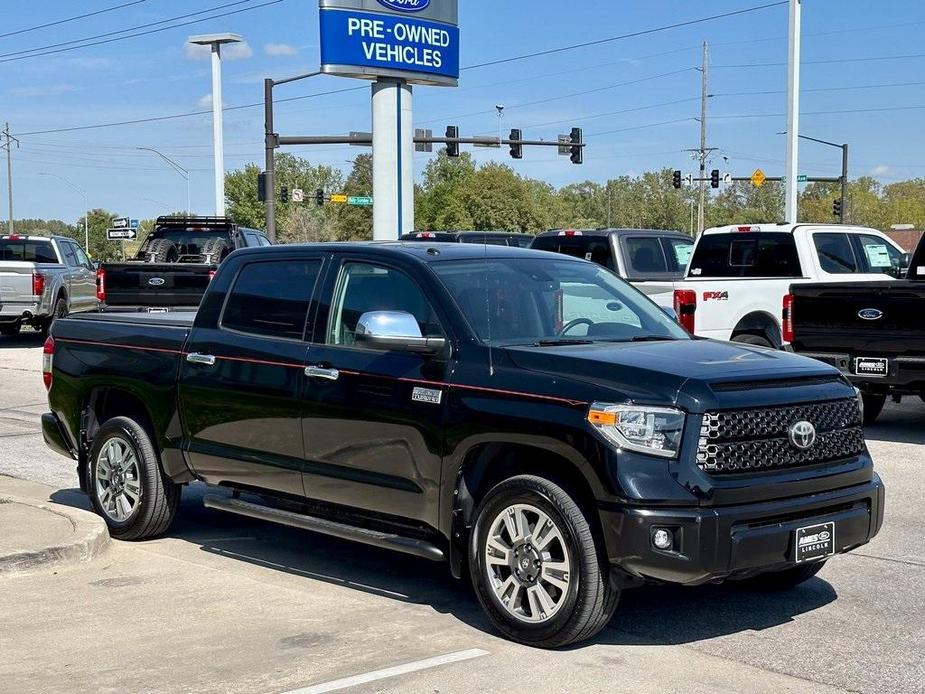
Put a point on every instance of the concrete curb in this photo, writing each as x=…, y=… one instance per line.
x=90, y=539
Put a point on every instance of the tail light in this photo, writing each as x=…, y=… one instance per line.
x=787, y=319
x=38, y=284
x=685, y=305
x=101, y=284
x=48, y=358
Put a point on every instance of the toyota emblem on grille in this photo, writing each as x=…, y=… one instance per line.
x=803, y=435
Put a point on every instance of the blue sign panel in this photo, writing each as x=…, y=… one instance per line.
x=371, y=44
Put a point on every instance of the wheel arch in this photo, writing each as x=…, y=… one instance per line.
x=760, y=323
x=487, y=463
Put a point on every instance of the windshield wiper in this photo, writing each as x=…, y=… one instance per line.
x=653, y=338
x=564, y=341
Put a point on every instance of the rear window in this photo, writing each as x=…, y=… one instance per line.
x=25, y=251
x=594, y=248
x=272, y=299
x=767, y=254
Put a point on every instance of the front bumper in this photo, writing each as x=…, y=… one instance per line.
x=737, y=541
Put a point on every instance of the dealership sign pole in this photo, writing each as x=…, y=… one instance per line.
x=397, y=43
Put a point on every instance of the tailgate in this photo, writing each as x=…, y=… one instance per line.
x=870, y=318
x=16, y=283
x=152, y=284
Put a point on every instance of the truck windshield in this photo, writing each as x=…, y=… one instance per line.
x=749, y=254
x=513, y=301
x=24, y=250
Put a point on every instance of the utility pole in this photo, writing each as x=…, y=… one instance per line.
x=8, y=145
x=791, y=213
x=701, y=211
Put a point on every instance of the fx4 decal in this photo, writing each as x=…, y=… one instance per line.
x=716, y=296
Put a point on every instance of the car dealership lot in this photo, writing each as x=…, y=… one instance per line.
x=223, y=603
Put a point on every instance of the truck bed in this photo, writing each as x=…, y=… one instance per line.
x=166, y=285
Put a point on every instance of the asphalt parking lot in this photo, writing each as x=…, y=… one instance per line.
x=226, y=604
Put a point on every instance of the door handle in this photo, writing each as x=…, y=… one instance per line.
x=201, y=359
x=319, y=372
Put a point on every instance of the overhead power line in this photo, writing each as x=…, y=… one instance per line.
x=144, y=33
x=71, y=19
x=621, y=37
x=828, y=61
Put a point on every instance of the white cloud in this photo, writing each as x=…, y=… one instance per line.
x=280, y=49
x=881, y=170
x=205, y=102
x=231, y=51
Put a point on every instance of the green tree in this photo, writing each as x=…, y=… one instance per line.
x=356, y=223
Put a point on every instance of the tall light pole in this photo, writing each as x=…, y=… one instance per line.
x=216, y=41
x=844, y=170
x=176, y=167
x=791, y=212
x=86, y=207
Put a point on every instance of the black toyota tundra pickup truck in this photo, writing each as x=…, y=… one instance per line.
x=874, y=332
x=174, y=265
x=528, y=417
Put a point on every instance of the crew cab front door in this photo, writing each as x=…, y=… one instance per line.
x=241, y=380
x=373, y=422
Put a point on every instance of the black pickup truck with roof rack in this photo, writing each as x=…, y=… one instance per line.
x=874, y=332
x=528, y=417
x=174, y=264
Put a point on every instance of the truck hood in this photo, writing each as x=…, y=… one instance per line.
x=664, y=372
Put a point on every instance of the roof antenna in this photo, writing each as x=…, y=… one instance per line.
x=491, y=361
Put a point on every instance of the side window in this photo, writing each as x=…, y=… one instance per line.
x=835, y=254
x=679, y=252
x=880, y=255
x=272, y=299
x=645, y=255
x=67, y=250
x=81, y=256
x=362, y=287
x=263, y=240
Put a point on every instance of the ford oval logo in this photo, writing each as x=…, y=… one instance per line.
x=157, y=281
x=406, y=5
x=870, y=314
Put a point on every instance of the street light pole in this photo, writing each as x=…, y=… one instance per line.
x=215, y=41
x=844, y=170
x=176, y=167
x=82, y=192
x=791, y=212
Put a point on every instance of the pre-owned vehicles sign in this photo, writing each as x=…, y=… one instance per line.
x=415, y=40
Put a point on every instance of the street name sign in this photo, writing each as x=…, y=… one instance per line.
x=802, y=178
x=413, y=40
x=360, y=200
x=122, y=234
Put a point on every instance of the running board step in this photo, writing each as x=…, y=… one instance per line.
x=398, y=543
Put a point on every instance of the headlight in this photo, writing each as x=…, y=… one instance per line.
x=653, y=430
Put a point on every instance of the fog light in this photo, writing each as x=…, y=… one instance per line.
x=662, y=539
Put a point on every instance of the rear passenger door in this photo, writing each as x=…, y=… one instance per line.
x=240, y=384
x=373, y=423
x=80, y=279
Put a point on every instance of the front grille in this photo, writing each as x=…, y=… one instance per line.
x=754, y=440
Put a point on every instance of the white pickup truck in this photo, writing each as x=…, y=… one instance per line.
x=738, y=282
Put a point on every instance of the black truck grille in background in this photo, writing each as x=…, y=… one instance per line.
x=755, y=440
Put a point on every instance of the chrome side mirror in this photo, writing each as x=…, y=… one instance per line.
x=396, y=331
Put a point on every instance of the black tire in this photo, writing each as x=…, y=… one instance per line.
x=11, y=330
x=589, y=601
x=873, y=406
x=159, y=497
x=162, y=251
x=783, y=580
x=215, y=250
x=756, y=340
x=60, y=311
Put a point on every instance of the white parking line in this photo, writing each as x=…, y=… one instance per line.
x=416, y=666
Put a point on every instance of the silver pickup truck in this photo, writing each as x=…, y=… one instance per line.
x=43, y=278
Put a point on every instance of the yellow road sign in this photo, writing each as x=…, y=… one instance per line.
x=758, y=178
x=340, y=199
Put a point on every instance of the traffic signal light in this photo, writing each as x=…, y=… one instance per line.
x=262, y=186
x=452, y=148
x=837, y=208
x=319, y=197
x=517, y=150
x=714, y=178
x=578, y=151
x=676, y=179
x=284, y=195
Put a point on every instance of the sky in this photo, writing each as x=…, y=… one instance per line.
x=637, y=99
